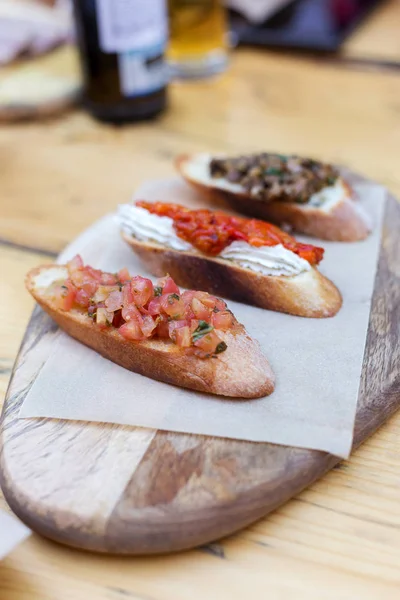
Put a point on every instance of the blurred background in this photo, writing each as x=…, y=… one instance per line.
x=131, y=49
x=97, y=95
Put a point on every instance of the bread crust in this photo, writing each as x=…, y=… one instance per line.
x=344, y=223
x=242, y=371
x=309, y=294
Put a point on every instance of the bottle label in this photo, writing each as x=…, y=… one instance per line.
x=142, y=72
x=126, y=25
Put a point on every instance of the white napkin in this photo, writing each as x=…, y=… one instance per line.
x=26, y=27
x=317, y=362
x=12, y=533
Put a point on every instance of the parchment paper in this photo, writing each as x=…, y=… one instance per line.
x=12, y=533
x=317, y=362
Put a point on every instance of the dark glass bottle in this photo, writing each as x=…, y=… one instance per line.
x=121, y=44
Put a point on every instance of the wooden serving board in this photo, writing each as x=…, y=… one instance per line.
x=121, y=489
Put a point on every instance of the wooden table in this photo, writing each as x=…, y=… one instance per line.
x=341, y=537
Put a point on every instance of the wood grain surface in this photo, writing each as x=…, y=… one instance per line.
x=340, y=538
x=377, y=39
x=169, y=491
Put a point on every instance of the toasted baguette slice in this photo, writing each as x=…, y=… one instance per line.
x=341, y=219
x=241, y=371
x=309, y=294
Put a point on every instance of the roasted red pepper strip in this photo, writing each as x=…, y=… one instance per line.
x=212, y=231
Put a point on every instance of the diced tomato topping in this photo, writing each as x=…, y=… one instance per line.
x=154, y=306
x=75, y=264
x=127, y=296
x=114, y=301
x=194, y=323
x=206, y=299
x=82, y=298
x=104, y=317
x=222, y=320
x=96, y=275
x=183, y=338
x=199, y=310
x=174, y=325
x=108, y=279
x=131, y=331
x=212, y=231
x=142, y=290
x=172, y=305
x=168, y=285
x=139, y=311
x=131, y=313
x=64, y=295
x=162, y=330
x=208, y=343
x=148, y=325
x=123, y=275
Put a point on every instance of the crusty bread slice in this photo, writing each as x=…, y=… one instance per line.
x=342, y=221
x=309, y=294
x=241, y=371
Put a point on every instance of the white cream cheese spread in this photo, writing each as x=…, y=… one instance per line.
x=266, y=260
x=146, y=227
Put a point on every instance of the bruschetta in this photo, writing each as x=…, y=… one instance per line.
x=188, y=339
x=309, y=196
x=242, y=259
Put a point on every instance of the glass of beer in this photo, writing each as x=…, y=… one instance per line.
x=198, y=38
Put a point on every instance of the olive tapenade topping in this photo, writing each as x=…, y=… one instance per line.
x=272, y=177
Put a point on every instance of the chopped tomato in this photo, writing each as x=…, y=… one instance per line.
x=188, y=296
x=64, y=295
x=172, y=305
x=75, y=264
x=162, y=329
x=199, y=310
x=194, y=323
x=148, y=325
x=174, y=325
x=142, y=290
x=222, y=319
x=114, y=301
x=139, y=311
x=208, y=343
x=104, y=317
x=131, y=313
x=212, y=231
x=96, y=275
x=154, y=307
x=127, y=296
x=183, y=338
x=82, y=298
x=168, y=285
x=103, y=291
x=131, y=331
x=123, y=275
x=108, y=279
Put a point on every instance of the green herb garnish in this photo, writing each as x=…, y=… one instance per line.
x=202, y=329
x=172, y=297
x=220, y=348
x=158, y=290
x=273, y=171
x=331, y=180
